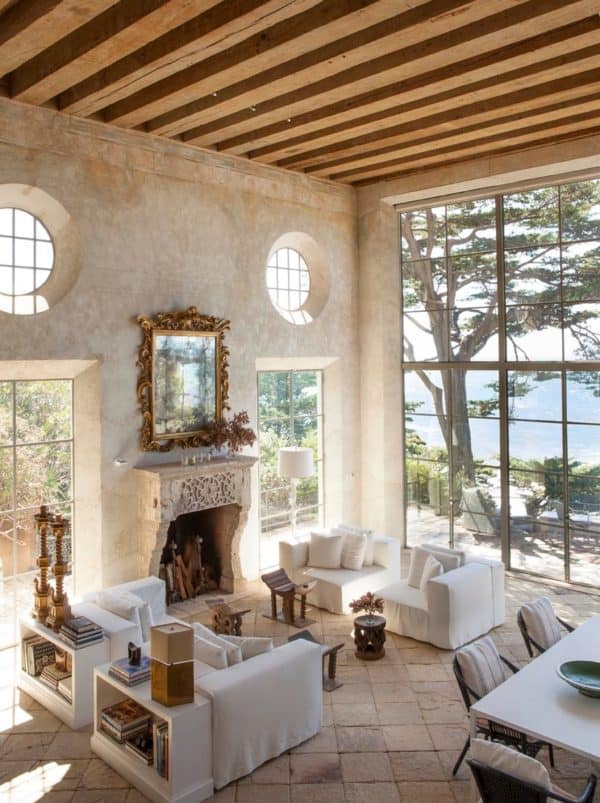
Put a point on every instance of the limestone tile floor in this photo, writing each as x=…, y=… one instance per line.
x=391, y=734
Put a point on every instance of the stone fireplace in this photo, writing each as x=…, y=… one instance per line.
x=179, y=505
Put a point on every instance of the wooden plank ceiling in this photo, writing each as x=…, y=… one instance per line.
x=351, y=90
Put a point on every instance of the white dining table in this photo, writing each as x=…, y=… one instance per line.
x=537, y=702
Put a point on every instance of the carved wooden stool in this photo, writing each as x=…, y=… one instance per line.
x=280, y=585
x=369, y=637
x=226, y=620
x=330, y=681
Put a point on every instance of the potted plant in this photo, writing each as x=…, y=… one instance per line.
x=368, y=603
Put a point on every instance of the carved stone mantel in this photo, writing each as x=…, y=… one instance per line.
x=166, y=491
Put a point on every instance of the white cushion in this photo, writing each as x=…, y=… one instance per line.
x=233, y=652
x=210, y=653
x=418, y=559
x=510, y=761
x=449, y=558
x=541, y=622
x=481, y=666
x=433, y=568
x=325, y=551
x=128, y=606
x=369, y=558
x=201, y=669
x=251, y=645
x=354, y=546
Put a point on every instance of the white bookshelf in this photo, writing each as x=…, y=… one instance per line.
x=189, y=743
x=80, y=711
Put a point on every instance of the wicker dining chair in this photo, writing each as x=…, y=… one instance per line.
x=493, y=730
x=496, y=786
x=540, y=626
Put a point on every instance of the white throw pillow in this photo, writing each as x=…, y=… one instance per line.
x=325, y=551
x=209, y=653
x=128, y=606
x=354, y=546
x=369, y=558
x=508, y=760
x=418, y=559
x=433, y=568
x=251, y=645
x=233, y=652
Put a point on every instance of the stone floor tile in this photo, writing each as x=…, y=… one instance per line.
x=317, y=793
x=406, y=737
x=25, y=747
x=353, y=693
x=359, y=739
x=431, y=672
x=387, y=673
x=99, y=796
x=359, y=714
x=447, y=712
x=448, y=737
x=327, y=718
x=393, y=693
x=275, y=771
x=423, y=654
x=267, y=793
x=324, y=742
x=69, y=745
x=363, y=767
x=463, y=791
x=425, y=792
x=399, y=714
x=99, y=775
x=417, y=765
x=448, y=759
x=371, y=793
x=134, y=796
x=315, y=768
x=67, y=773
x=21, y=720
x=353, y=674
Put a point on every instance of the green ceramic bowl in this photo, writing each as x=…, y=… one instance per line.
x=582, y=675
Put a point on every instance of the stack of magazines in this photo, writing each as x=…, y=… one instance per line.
x=51, y=676
x=160, y=735
x=141, y=746
x=131, y=674
x=125, y=720
x=36, y=654
x=80, y=632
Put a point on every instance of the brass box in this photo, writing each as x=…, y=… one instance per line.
x=172, y=643
x=172, y=684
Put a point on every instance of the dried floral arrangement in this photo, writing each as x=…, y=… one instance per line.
x=235, y=433
x=368, y=603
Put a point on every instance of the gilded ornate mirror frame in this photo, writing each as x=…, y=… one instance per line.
x=163, y=360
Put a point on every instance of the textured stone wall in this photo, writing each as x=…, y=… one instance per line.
x=163, y=226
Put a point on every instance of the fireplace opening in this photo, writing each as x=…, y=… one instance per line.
x=196, y=557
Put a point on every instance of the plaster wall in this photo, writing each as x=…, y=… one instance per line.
x=163, y=226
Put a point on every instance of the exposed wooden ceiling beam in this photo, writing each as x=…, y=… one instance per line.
x=517, y=22
x=124, y=27
x=30, y=26
x=491, y=132
x=532, y=55
x=536, y=142
x=524, y=99
x=215, y=30
x=256, y=53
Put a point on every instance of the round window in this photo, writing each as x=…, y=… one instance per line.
x=288, y=283
x=26, y=262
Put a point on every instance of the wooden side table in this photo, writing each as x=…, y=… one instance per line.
x=280, y=585
x=369, y=637
x=330, y=682
x=226, y=620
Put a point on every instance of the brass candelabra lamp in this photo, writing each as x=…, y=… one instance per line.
x=60, y=610
x=41, y=595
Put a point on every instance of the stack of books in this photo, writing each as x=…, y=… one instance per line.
x=131, y=674
x=141, y=747
x=65, y=687
x=125, y=720
x=51, y=676
x=36, y=654
x=80, y=632
x=160, y=736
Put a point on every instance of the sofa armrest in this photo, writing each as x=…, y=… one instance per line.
x=293, y=555
x=460, y=605
x=386, y=552
x=496, y=570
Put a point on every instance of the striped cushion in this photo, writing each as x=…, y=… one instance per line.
x=541, y=622
x=481, y=666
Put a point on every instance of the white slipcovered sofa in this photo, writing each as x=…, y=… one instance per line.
x=455, y=607
x=260, y=707
x=336, y=588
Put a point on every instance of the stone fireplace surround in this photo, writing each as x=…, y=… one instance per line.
x=169, y=490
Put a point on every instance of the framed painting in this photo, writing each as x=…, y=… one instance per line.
x=183, y=383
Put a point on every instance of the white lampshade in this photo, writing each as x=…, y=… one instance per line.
x=295, y=462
